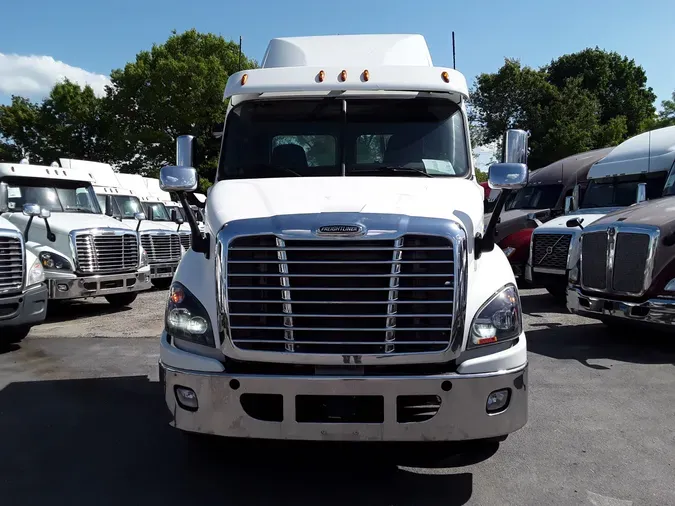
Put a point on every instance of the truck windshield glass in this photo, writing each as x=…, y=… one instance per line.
x=615, y=192
x=68, y=197
x=159, y=212
x=415, y=137
x=536, y=197
x=670, y=183
x=128, y=206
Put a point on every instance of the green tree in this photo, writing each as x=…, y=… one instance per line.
x=666, y=116
x=68, y=123
x=173, y=89
x=9, y=152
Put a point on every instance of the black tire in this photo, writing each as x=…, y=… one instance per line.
x=559, y=292
x=12, y=335
x=162, y=283
x=121, y=299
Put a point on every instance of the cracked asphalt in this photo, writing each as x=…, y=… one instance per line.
x=82, y=421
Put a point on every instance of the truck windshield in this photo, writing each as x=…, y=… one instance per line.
x=536, y=197
x=68, y=196
x=670, y=183
x=159, y=212
x=621, y=192
x=419, y=137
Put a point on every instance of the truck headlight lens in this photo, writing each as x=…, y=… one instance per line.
x=52, y=261
x=508, y=251
x=185, y=317
x=144, y=257
x=36, y=274
x=498, y=320
x=670, y=286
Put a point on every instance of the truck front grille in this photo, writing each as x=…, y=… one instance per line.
x=186, y=241
x=341, y=296
x=11, y=264
x=550, y=250
x=629, y=265
x=107, y=252
x=161, y=247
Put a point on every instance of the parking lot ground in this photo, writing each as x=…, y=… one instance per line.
x=82, y=421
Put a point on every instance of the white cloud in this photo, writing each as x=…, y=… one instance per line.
x=34, y=76
x=484, y=155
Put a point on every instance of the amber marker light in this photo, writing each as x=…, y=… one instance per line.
x=322, y=76
x=343, y=75
x=366, y=75
x=445, y=76
x=244, y=78
x=177, y=295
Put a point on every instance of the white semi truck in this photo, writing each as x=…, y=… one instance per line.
x=23, y=291
x=633, y=171
x=119, y=198
x=338, y=293
x=83, y=252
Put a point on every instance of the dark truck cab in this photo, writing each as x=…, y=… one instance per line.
x=626, y=271
x=543, y=198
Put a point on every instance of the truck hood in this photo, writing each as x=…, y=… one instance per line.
x=588, y=215
x=658, y=212
x=63, y=223
x=456, y=199
x=150, y=225
x=7, y=225
x=515, y=220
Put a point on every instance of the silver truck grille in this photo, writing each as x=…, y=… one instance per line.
x=161, y=247
x=107, y=252
x=550, y=250
x=341, y=296
x=616, y=261
x=11, y=264
x=186, y=241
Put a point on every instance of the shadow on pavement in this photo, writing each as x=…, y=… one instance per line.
x=69, y=311
x=541, y=303
x=596, y=341
x=107, y=441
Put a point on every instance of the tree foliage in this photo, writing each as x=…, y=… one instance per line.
x=578, y=102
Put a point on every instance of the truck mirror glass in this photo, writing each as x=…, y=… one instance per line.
x=184, y=146
x=31, y=210
x=507, y=176
x=45, y=213
x=178, y=179
x=4, y=206
x=641, y=193
x=139, y=216
x=569, y=204
x=575, y=222
x=515, y=146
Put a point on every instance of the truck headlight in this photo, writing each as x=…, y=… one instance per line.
x=52, y=261
x=508, y=251
x=144, y=257
x=36, y=274
x=498, y=320
x=185, y=317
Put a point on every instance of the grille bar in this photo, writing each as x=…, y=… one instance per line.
x=337, y=296
x=11, y=263
x=550, y=250
x=162, y=247
x=114, y=251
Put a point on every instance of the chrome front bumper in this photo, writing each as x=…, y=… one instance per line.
x=653, y=311
x=462, y=414
x=163, y=270
x=76, y=287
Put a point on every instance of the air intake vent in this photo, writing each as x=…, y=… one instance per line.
x=416, y=408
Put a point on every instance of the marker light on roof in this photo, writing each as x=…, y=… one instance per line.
x=322, y=76
x=343, y=75
x=445, y=76
x=366, y=75
x=244, y=78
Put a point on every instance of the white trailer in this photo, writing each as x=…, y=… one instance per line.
x=337, y=292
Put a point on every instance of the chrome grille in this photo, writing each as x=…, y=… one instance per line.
x=186, y=241
x=550, y=250
x=106, y=252
x=341, y=296
x=617, y=260
x=162, y=247
x=11, y=263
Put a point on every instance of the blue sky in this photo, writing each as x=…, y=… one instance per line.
x=85, y=39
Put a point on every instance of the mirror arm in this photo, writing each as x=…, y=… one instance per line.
x=200, y=242
x=138, y=225
x=50, y=234
x=27, y=229
x=486, y=243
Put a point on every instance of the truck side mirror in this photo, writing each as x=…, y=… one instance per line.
x=4, y=201
x=108, y=205
x=45, y=214
x=32, y=211
x=641, y=193
x=151, y=214
x=139, y=218
x=515, y=146
x=569, y=204
x=575, y=222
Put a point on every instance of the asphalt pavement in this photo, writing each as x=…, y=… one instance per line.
x=83, y=421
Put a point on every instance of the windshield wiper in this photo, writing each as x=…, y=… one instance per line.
x=391, y=168
x=78, y=209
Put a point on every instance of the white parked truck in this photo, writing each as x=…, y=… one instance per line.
x=23, y=291
x=633, y=171
x=83, y=252
x=338, y=293
x=119, y=197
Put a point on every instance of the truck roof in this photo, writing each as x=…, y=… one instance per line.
x=568, y=170
x=394, y=62
x=152, y=185
x=648, y=152
x=102, y=175
x=42, y=171
x=135, y=183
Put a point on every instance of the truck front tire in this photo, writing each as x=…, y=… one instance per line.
x=121, y=299
x=12, y=335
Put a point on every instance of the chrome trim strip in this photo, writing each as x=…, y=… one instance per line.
x=549, y=270
x=15, y=234
x=285, y=295
x=379, y=226
x=613, y=230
